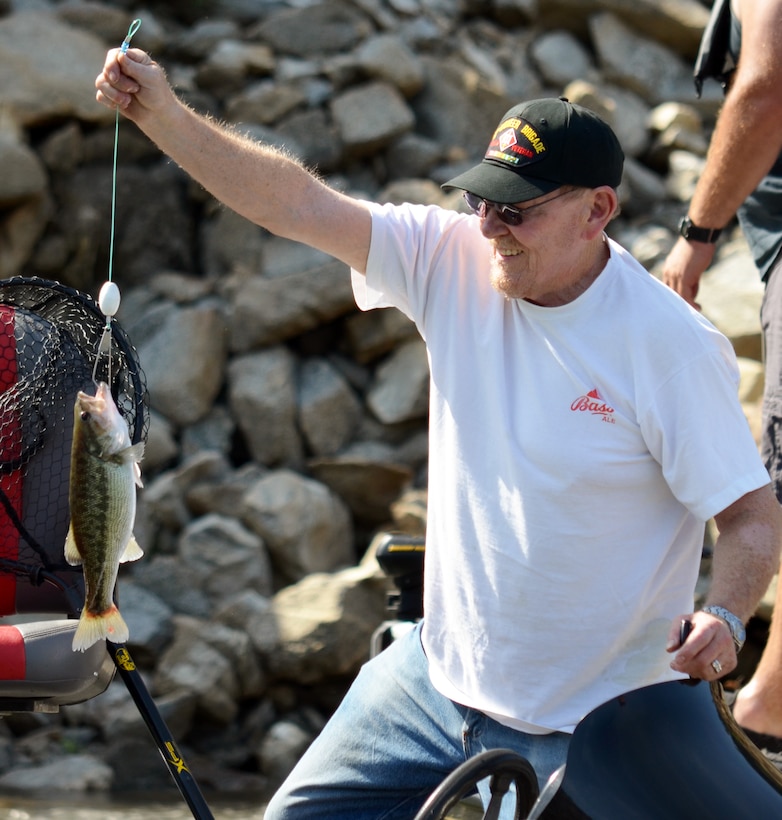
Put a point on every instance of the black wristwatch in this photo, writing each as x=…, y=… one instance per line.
x=696, y=234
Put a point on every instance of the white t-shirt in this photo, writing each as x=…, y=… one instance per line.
x=576, y=453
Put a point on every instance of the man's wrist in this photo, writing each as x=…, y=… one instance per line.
x=734, y=624
x=695, y=233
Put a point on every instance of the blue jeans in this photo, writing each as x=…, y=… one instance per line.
x=393, y=740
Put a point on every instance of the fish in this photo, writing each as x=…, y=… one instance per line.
x=104, y=473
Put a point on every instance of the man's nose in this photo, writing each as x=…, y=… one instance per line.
x=492, y=225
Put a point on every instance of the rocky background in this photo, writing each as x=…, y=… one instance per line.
x=288, y=429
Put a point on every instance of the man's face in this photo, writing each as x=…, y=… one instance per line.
x=542, y=259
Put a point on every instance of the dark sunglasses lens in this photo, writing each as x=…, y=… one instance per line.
x=475, y=203
x=506, y=213
x=510, y=216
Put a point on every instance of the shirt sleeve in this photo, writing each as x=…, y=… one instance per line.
x=409, y=245
x=696, y=429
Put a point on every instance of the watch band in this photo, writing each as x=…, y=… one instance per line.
x=693, y=232
x=736, y=627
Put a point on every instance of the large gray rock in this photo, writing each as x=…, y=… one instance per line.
x=266, y=310
x=387, y=57
x=166, y=496
x=185, y=374
x=401, y=390
x=227, y=556
x=152, y=227
x=149, y=622
x=281, y=748
x=560, y=58
x=34, y=87
x=215, y=663
x=21, y=230
x=329, y=410
x=457, y=107
x=651, y=69
x=370, y=117
x=327, y=27
x=730, y=295
x=22, y=174
x=306, y=527
x=368, y=477
x=262, y=396
x=323, y=624
x=675, y=23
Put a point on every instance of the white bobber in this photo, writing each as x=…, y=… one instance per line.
x=109, y=298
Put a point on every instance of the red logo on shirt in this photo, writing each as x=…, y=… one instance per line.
x=595, y=404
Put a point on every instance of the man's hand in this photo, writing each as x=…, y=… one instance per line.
x=709, y=641
x=684, y=265
x=134, y=83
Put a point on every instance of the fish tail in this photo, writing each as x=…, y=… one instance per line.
x=96, y=626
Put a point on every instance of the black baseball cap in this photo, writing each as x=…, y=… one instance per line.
x=540, y=146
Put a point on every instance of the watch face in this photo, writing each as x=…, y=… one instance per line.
x=690, y=231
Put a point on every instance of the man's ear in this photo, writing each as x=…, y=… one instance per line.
x=603, y=207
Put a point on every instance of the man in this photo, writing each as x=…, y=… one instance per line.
x=743, y=174
x=576, y=451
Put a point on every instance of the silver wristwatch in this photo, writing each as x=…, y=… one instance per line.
x=734, y=623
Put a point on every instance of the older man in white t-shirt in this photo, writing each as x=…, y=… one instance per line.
x=584, y=426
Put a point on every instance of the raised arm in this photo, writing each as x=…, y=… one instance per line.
x=746, y=556
x=262, y=183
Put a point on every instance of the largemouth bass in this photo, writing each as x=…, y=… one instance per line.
x=104, y=474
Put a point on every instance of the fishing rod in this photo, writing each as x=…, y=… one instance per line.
x=164, y=740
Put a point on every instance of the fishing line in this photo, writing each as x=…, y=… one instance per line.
x=109, y=297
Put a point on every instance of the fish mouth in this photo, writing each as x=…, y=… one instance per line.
x=91, y=404
x=101, y=394
x=94, y=407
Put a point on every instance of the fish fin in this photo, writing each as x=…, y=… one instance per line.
x=132, y=551
x=131, y=453
x=93, y=627
x=137, y=474
x=72, y=554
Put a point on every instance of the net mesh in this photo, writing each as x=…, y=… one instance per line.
x=50, y=338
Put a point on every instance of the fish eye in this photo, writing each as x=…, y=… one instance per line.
x=85, y=415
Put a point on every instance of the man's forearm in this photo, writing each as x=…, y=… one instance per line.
x=247, y=176
x=746, y=142
x=746, y=554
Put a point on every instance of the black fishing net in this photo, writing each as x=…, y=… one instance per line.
x=50, y=348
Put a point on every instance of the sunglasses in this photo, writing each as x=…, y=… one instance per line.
x=509, y=214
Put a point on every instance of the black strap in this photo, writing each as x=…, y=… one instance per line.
x=714, y=60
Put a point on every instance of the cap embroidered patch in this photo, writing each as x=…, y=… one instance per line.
x=516, y=142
